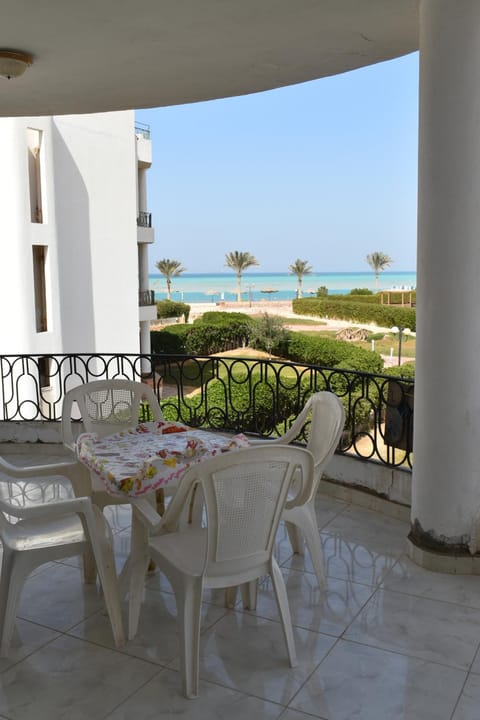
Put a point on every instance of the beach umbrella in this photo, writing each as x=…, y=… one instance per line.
x=212, y=292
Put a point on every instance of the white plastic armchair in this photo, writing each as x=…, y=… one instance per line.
x=106, y=407
x=36, y=528
x=324, y=418
x=245, y=492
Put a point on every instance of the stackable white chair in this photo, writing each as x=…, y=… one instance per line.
x=41, y=521
x=245, y=492
x=324, y=418
x=106, y=407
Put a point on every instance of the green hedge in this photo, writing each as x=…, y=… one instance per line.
x=169, y=309
x=170, y=341
x=362, y=312
x=329, y=352
x=213, y=317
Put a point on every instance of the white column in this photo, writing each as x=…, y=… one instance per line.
x=145, y=346
x=142, y=190
x=446, y=480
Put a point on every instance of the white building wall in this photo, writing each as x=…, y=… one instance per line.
x=89, y=199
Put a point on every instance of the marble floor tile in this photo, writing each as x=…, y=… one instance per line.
x=406, y=577
x=327, y=508
x=58, y=598
x=347, y=560
x=329, y=611
x=290, y=714
x=70, y=680
x=27, y=638
x=373, y=531
x=428, y=629
x=356, y=681
x=161, y=697
x=248, y=653
x=468, y=707
x=157, y=636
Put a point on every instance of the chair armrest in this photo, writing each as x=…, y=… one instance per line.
x=63, y=467
x=57, y=508
x=147, y=513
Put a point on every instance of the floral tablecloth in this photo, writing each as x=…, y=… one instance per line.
x=154, y=454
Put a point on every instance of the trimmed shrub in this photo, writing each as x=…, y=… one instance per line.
x=170, y=341
x=328, y=352
x=382, y=315
x=213, y=317
x=360, y=291
x=169, y=309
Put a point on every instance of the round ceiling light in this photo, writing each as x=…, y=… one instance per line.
x=13, y=63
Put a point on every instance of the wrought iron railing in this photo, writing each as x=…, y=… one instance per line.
x=144, y=219
x=142, y=129
x=240, y=395
x=146, y=297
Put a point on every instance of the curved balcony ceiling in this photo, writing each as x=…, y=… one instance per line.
x=92, y=56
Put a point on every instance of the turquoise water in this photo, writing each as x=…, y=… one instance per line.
x=202, y=287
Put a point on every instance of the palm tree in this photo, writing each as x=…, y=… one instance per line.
x=170, y=268
x=300, y=268
x=378, y=261
x=239, y=261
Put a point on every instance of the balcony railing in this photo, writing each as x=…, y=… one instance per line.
x=146, y=298
x=144, y=219
x=142, y=129
x=239, y=395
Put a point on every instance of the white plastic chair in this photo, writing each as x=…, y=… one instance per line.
x=324, y=418
x=106, y=407
x=245, y=492
x=50, y=525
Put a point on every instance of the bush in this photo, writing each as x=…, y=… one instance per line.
x=213, y=317
x=360, y=291
x=169, y=309
x=382, y=315
x=170, y=341
x=322, y=291
x=328, y=352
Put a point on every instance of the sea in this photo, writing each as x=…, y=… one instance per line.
x=205, y=287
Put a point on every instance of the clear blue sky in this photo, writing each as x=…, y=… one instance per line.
x=325, y=171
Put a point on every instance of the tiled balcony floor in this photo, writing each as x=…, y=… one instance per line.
x=387, y=641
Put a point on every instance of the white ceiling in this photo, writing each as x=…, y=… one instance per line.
x=98, y=55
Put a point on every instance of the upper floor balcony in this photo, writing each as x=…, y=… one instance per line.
x=145, y=232
x=144, y=145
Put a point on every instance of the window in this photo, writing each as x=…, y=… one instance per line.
x=34, y=142
x=40, y=286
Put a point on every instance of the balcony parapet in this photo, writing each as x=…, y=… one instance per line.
x=144, y=219
x=146, y=298
x=143, y=130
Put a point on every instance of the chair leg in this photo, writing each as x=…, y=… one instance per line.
x=296, y=537
x=189, y=606
x=13, y=574
x=89, y=567
x=230, y=597
x=284, y=610
x=249, y=594
x=102, y=546
x=314, y=545
x=138, y=564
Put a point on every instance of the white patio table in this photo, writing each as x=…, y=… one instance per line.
x=133, y=463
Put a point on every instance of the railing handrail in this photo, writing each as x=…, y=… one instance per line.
x=379, y=408
x=142, y=129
